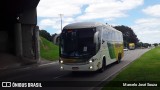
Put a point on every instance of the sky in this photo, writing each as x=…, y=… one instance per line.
x=143, y=16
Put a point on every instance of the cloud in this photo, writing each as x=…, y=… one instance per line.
x=95, y=8
x=153, y=10
x=54, y=23
x=80, y=10
x=147, y=30
x=52, y=8
x=109, y=9
x=49, y=10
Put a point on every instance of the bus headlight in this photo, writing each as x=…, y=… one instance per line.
x=90, y=61
x=61, y=67
x=61, y=61
x=91, y=67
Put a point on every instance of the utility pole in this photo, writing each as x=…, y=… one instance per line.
x=61, y=20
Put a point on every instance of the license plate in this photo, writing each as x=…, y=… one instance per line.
x=75, y=68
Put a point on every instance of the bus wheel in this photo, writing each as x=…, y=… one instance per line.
x=119, y=58
x=103, y=66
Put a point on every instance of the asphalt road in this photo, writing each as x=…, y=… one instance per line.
x=51, y=72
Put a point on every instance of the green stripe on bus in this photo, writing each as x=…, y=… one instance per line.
x=111, y=50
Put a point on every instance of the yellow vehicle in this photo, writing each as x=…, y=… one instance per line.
x=131, y=46
x=89, y=46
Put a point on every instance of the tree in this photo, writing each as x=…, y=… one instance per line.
x=53, y=35
x=140, y=44
x=155, y=44
x=128, y=35
x=45, y=34
x=146, y=45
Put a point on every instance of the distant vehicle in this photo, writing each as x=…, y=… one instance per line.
x=89, y=46
x=131, y=46
x=125, y=49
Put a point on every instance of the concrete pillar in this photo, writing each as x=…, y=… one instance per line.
x=18, y=40
x=37, y=45
x=3, y=41
x=27, y=40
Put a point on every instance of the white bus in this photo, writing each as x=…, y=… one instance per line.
x=89, y=46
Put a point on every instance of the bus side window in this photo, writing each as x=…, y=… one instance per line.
x=105, y=33
x=120, y=38
x=109, y=36
x=112, y=37
x=117, y=37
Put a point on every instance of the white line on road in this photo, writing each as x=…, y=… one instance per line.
x=58, y=76
x=99, y=88
x=48, y=64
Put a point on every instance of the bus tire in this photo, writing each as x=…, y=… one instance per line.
x=119, y=58
x=103, y=66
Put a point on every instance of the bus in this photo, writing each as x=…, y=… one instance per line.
x=89, y=46
x=131, y=46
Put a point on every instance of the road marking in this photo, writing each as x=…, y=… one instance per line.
x=47, y=64
x=58, y=76
x=99, y=88
x=41, y=65
x=121, y=68
x=25, y=68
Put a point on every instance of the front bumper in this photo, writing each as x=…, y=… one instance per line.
x=77, y=67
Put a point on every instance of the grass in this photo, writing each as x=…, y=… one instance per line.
x=146, y=68
x=48, y=50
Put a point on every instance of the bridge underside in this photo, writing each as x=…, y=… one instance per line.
x=18, y=31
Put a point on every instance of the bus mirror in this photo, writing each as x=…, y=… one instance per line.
x=103, y=41
x=96, y=37
x=96, y=41
x=56, y=39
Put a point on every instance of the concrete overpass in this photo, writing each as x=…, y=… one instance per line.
x=18, y=31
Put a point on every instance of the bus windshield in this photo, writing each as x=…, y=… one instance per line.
x=77, y=43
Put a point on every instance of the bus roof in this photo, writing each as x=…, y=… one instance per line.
x=83, y=25
x=87, y=25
